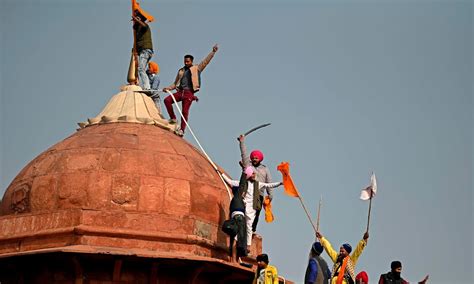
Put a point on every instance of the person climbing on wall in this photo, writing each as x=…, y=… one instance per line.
x=249, y=190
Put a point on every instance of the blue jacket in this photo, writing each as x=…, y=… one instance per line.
x=317, y=271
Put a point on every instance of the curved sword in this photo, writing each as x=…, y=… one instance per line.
x=256, y=128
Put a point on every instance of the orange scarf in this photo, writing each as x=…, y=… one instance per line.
x=267, y=205
x=340, y=275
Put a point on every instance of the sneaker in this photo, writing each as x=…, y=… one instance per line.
x=179, y=132
x=172, y=121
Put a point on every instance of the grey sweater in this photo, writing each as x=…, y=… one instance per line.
x=263, y=174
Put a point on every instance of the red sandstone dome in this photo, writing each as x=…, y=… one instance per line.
x=125, y=179
x=122, y=200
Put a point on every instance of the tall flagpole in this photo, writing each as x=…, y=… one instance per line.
x=306, y=211
x=319, y=212
x=370, y=207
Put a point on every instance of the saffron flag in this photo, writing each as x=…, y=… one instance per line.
x=267, y=205
x=370, y=191
x=136, y=7
x=290, y=188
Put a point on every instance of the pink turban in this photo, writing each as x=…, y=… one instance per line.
x=258, y=154
x=248, y=172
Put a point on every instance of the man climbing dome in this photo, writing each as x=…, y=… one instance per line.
x=262, y=173
x=152, y=72
x=343, y=270
x=186, y=84
x=249, y=190
x=237, y=219
x=143, y=43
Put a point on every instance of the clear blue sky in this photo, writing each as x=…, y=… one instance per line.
x=350, y=87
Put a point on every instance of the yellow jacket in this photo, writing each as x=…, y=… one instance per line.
x=353, y=258
x=271, y=275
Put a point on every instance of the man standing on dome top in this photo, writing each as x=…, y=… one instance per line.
x=143, y=44
x=262, y=173
x=186, y=84
x=343, y=271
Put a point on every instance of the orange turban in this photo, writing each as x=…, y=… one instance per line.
x=153, y=67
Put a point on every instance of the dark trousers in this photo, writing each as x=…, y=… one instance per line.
x=255, y=221
x=184, y=96
x=241, y=236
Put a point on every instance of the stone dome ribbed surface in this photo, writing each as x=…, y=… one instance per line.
x=125, y=177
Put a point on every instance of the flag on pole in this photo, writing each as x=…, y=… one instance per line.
x=136, y=7
x=290, y=188
x=370, y=191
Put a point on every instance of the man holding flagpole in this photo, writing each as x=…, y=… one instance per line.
x=343, y=271
x=143, y=45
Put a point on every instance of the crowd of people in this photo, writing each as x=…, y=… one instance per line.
x=255, y=186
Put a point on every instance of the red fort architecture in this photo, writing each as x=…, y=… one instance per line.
x=122, y=200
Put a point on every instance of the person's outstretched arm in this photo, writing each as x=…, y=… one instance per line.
x=230, y=181
x=208, y=58
x=243, y=152
x=172, y=86
x=360, y=247
x=424, y=280
x=327, y=247
x=269, y=185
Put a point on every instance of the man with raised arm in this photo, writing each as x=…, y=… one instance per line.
x=343, y=271
x=262, y=174
x=186, y=84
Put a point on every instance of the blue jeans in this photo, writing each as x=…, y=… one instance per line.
x=143, y=59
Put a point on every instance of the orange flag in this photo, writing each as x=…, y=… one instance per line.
x=136, y=7
x=290, y=188
x=267, y=205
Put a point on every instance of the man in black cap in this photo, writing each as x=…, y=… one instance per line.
x=395, y=277
x=317, y=271
x=266, y=273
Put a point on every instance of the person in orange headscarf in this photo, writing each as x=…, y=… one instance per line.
x=152, y=72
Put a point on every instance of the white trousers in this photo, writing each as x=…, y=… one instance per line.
x=249, y=217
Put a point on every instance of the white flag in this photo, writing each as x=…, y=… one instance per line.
x=365, y=193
